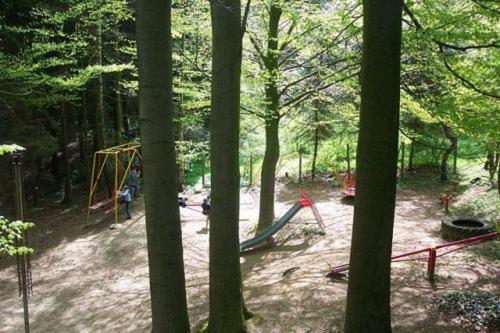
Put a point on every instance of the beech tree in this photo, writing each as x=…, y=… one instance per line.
x=226, y=299
x=164, y=236
x=368, y=295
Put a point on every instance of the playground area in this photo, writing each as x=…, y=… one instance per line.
x=96, y=279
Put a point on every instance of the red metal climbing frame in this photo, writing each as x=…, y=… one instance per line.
x=306, y=201
x=432, y=253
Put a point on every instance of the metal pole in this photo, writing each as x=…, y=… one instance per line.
x=17, y=164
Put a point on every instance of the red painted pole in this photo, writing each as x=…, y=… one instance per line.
x=431, y=263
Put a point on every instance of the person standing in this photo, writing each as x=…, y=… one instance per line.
x=132, y=181
x=126, y=198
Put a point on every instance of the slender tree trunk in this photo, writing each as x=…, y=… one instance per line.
x=493, y=164
x=99, y=112
x=267, y=176
x=226, y=300
x=126, y=113
x=411, y=157
x=316, y=142
x=164, y=235
x=66, y=158
x=118, y=112
x=453, y=146
x=368, y=296
x=100, y=130
x=271, y=155
x=402, y=159
x=455, y=158
x=180, y=162
x=498, y=173
x=348, y=158
x=300, y=168
x=84, y=142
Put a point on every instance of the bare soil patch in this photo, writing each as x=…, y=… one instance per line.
x=96, y=279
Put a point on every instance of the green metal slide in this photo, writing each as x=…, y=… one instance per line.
x=264, y=235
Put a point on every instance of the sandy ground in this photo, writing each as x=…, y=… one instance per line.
x=96, y=280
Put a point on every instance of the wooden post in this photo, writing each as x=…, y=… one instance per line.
x=348, y=163
x=250, y=178
x=17, y=164
x=402, y=158
x=300, y=168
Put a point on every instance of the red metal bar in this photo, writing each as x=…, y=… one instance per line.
x=306, y=201
x=470, y=240
x=467, y=242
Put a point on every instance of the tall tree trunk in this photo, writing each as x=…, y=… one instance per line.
x=100, y=130
x=118, y=112
x=493, y=164
x=225, y=294
x=368, y=295
x=316, y=141
x=99, y=111
x=83, y=138
x=126, y=113
x=66, y=158
x=453, y=146
x=272, y=152
x=164, y=234
x=267, y=176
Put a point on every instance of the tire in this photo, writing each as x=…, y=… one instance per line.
x=453, y=228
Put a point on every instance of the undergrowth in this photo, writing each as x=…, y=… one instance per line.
x=473, y=309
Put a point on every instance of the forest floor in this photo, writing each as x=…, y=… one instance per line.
x=96, y=279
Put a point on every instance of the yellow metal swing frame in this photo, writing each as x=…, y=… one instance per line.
x=131, y=150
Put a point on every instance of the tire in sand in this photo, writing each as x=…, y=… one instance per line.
x=462, y=227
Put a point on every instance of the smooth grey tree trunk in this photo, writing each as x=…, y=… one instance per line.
x=226, y=312
x=118, y=112
x=368, y=296
x=66, y=158
x=452, y=148
x=164, y=235
x=316, y=141
x=272, y=151
x=84, y=142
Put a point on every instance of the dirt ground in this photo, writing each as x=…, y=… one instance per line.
x=96, y=279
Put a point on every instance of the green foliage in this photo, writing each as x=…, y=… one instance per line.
x=476, y=309
x=8, y=149
x=11, y=234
